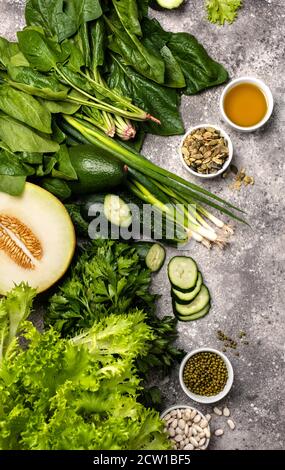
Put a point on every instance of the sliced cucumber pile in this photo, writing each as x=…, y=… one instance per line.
x=191, y=299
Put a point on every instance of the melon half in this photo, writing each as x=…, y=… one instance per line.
x=37, y=239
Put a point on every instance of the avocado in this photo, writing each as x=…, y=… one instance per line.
x=96, y=169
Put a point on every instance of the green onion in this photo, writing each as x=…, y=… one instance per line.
x=154, y=184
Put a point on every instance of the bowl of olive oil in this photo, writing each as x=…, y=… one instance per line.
x=246, y=104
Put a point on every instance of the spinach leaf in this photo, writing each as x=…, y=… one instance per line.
x=35, y=83
x=143, y=8
x=152, y=29
x=127, y=12
x=32, y=158
x=161, y=102
x=72, y=78
x=61, y=17
x=42, y=52
x=82, y=43
x=98, y=43
x=49, y=162
x=25, y=108
x=76, y=59
x=135, y=53
x=10, y=54
x=157, y=39
x=64, y=169
x=200, y=71
x=56, y=107
x=174, y=77
x=21, y=138
x=12, y=165
x=13, y=185
x=57, y=187
x=57, y=134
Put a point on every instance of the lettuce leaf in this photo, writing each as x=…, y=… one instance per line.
x=220, y=11
x=78, y=394
x=14, y=309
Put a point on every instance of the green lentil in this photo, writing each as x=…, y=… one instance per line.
x=205, y=373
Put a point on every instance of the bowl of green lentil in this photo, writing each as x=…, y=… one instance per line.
x=206, y=375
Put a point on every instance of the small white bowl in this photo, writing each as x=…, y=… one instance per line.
x=267, y=93
x=227, y=162
x=186, y=407
x=202, y=398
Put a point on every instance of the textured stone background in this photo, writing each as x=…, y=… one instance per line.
x=246, y=279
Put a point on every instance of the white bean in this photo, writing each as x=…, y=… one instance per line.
x=202, y=442
x=207, y=433
x=167, y=417
x=217, y=411
x=193, y=414
x=208, y=417
x=231, y=424
x=179, y=414
x=198, y=428
x=187, y=415
x=189, y=447
x=181, y=423
x=197, y=419
x=186, y=429
x=219, y=432
x=226, y=412
x=178, y=438
x=171, y=432
x=203, y=423
x=193, y=441
x=174, y=423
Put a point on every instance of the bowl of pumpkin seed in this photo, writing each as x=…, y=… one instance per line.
x=206, y=375
x=206, y=151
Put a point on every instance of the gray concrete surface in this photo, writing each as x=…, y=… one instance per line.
x=247, y=279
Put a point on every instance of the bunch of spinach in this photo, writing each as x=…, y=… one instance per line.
x=102, y=61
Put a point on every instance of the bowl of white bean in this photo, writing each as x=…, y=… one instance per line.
x=187, y=427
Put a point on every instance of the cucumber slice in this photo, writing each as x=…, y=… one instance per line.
x=200, y=302
x=182, y=273
x=143, y=247
x=117, y=211
x=186, y=297
x=195, y=316
x=169, y=4
x=155, y=257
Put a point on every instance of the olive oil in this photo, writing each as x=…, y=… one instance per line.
x=245, y=105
